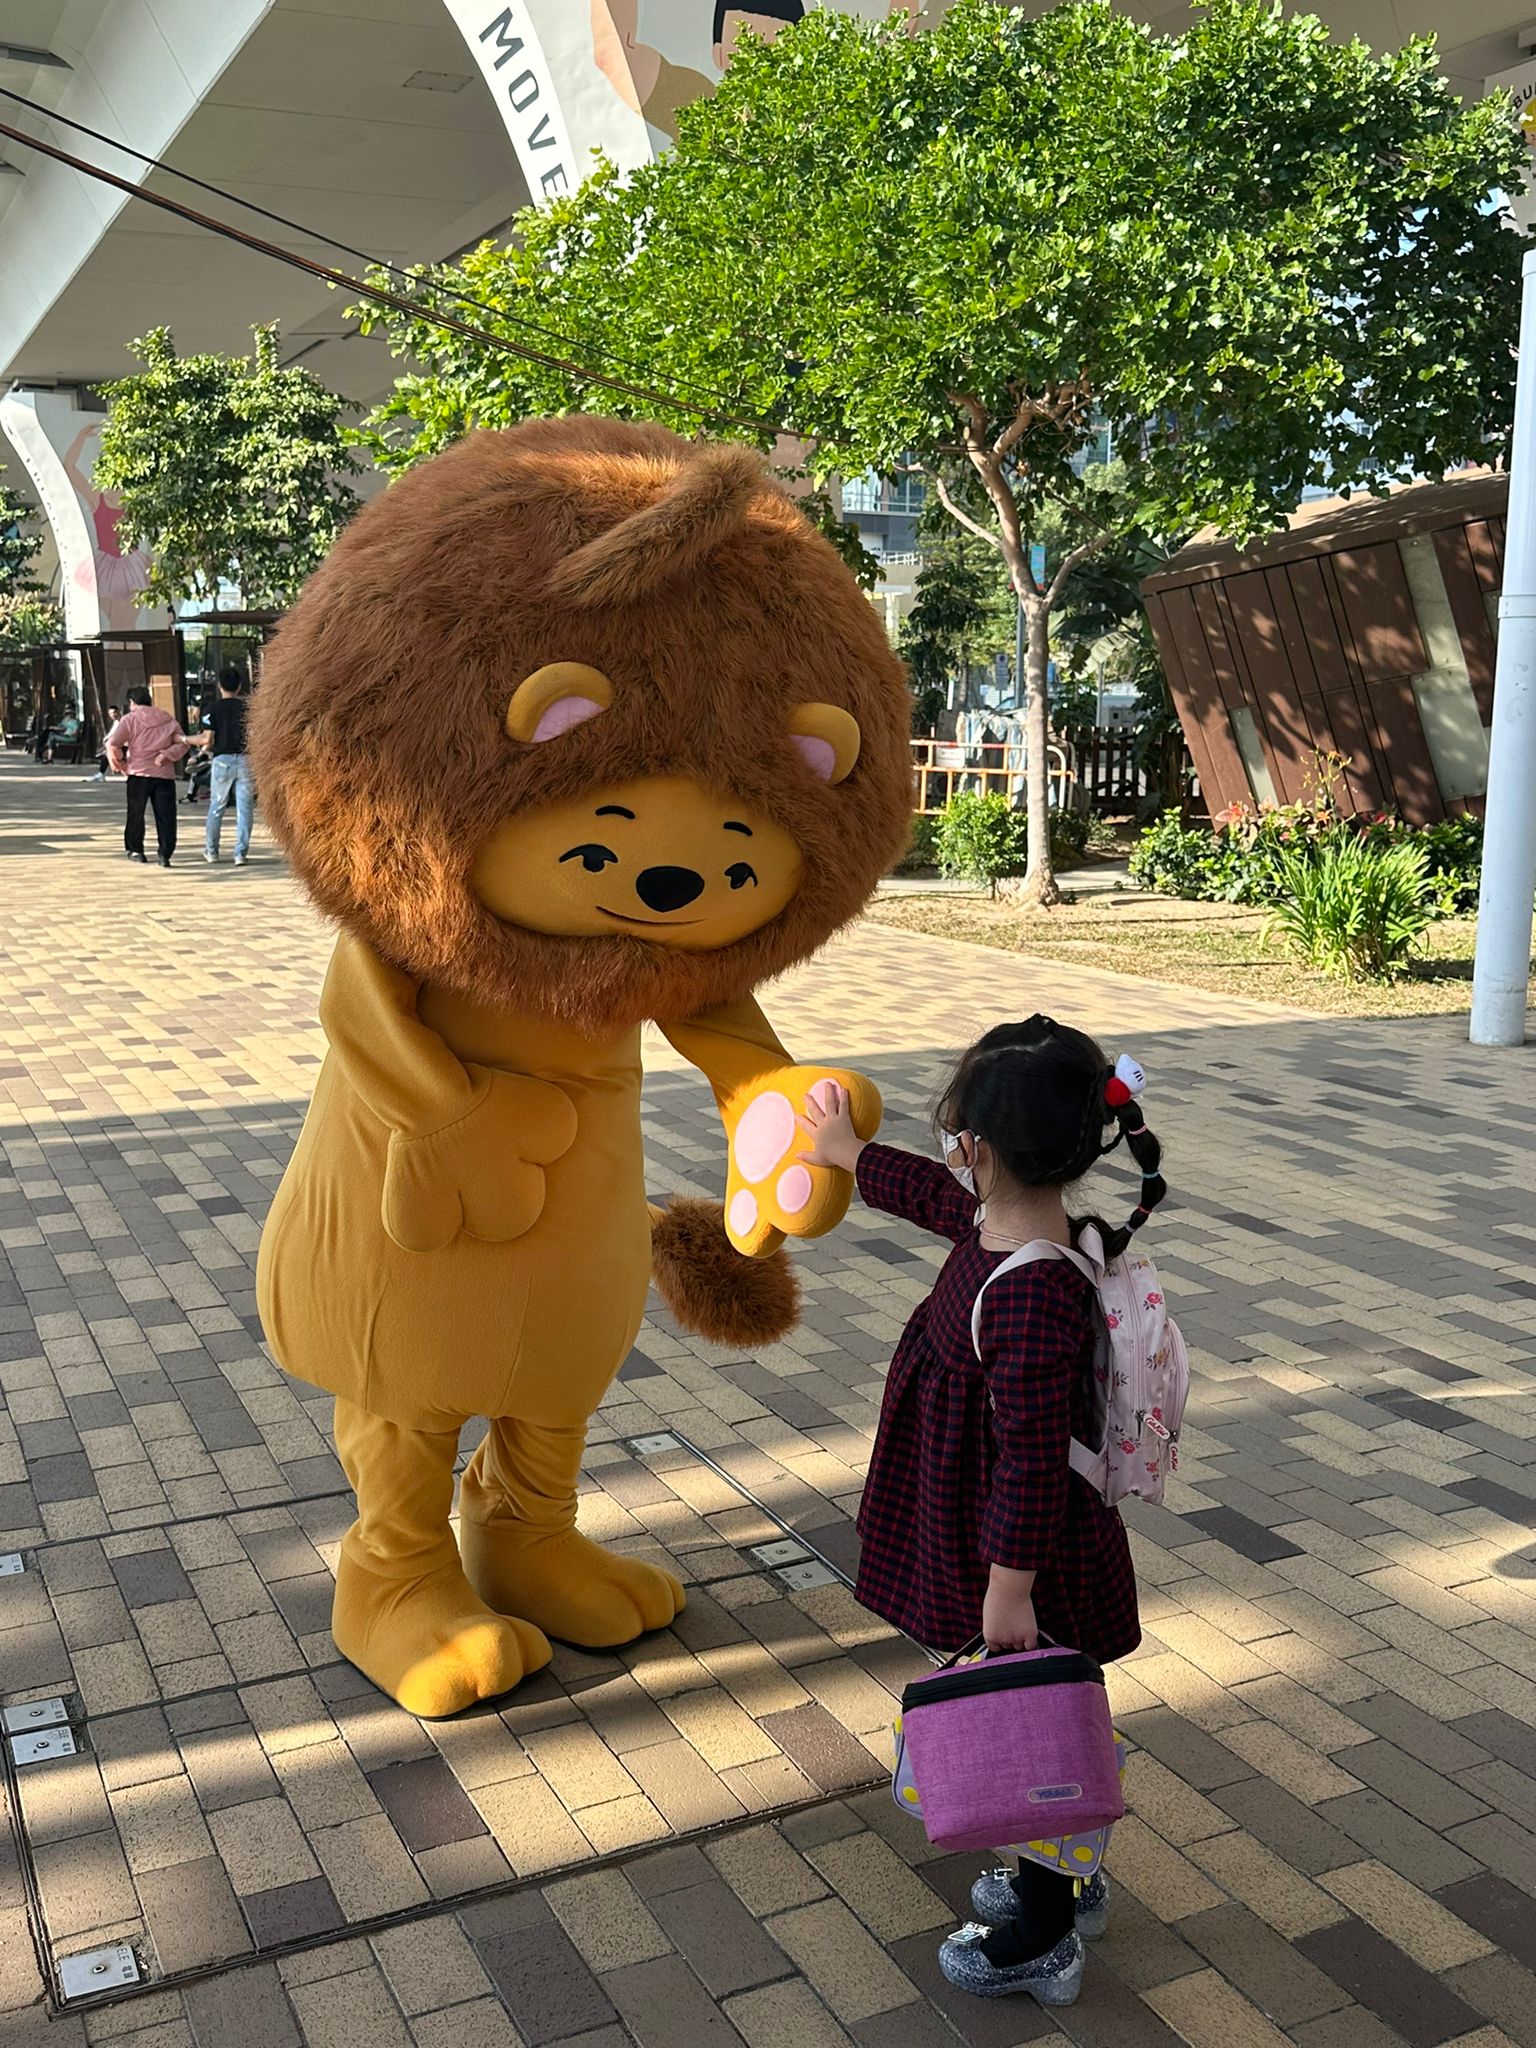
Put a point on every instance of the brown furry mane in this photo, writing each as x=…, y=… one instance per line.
x=678, y=569
x=697, y=507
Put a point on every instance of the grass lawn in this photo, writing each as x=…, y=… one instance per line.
x=1200, y=945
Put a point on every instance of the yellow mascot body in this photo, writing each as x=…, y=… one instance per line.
x=580, y=725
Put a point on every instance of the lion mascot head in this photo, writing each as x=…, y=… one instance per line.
x=585, y=718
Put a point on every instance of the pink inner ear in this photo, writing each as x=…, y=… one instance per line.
x=817, y=755
x=562, y=715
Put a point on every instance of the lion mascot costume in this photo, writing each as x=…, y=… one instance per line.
x=580, y=725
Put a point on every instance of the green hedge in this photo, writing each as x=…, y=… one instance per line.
x=986, y=833
x=1245, y=857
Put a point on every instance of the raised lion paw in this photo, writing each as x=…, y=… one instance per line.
x=770, y=1192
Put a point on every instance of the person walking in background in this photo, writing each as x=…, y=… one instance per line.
x=145, y=745
x=101, y=758
x=224, y=739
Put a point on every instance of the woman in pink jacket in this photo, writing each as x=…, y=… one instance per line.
x=145, y=745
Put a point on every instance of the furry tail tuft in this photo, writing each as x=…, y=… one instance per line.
x=711, y=1288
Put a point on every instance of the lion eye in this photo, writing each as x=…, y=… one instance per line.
x=593, y=858
x=739, y=874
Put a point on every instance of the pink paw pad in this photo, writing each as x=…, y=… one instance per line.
x=743, y=1211
x=764, y=1135
x=794, y=1189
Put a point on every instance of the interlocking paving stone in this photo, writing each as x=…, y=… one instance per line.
x=292, y=1912
x=1389, y=1983
x=1336, y=1709
x=316, y=1818
x=719, y=1938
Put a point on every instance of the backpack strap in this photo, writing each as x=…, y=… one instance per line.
x=1090, y=1465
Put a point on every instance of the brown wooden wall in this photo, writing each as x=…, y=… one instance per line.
x=1322, y=649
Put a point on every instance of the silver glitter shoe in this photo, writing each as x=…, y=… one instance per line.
x=994, y=1901
x=1093, y=1907
x=1053, y=1979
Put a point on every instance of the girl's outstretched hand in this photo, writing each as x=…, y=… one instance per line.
x=828, y=1124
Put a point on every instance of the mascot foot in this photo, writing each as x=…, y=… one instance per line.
x=427, y=1641
x=571, y=1587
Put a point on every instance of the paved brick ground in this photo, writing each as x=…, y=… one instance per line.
x=1333, y=1785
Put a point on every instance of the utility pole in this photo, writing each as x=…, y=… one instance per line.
x=1502, y=972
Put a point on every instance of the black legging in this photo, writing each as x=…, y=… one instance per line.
x=160, y=792
x=1047, y=1910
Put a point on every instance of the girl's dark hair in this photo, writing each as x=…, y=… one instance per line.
x=1036, y=1092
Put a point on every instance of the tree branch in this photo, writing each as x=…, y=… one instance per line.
x=962, y=518
x=1012, y=434
x=1071, y=561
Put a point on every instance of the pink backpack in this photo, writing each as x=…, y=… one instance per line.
x=1140, y=1368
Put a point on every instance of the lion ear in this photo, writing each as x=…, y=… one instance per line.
x=555, y=698
x=828, y=738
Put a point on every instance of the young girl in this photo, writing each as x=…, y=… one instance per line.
x=973, y=1523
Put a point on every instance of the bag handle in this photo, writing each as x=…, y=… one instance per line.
x=980, y=1643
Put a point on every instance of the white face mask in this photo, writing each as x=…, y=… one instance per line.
x=964, y=1174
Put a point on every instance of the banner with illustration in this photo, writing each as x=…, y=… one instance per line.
x=102, y=578
x=571, y=77
x=1520, y=84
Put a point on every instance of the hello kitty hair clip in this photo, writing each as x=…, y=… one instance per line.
x=1125, y=1083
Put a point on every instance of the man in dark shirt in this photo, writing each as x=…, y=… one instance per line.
x=224, y=738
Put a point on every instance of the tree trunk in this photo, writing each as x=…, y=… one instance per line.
x=1038, y=890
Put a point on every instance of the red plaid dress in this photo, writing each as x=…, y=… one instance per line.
x=970, y=1463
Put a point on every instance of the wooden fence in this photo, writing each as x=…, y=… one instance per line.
x=943, y=768
x=1093, y=770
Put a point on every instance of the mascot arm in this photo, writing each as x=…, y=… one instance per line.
x=770, y=1194
x=467, y=1144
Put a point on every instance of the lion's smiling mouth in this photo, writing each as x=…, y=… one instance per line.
x=670, y=924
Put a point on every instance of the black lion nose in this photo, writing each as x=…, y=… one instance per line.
x=668, y=888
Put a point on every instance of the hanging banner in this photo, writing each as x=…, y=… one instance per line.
x=539, y=62
x=573, y=77
x=1520, y=84
x=102, y=578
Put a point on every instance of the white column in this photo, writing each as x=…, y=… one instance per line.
x=1502, y=973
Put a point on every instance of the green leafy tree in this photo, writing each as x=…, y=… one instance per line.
x=228, y=468
x=20, y=542
x=1100, y=627
x=28, y=618
x=1260, y=257
x=962, y=611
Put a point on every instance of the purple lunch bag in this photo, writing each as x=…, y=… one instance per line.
x=1012, y=1749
